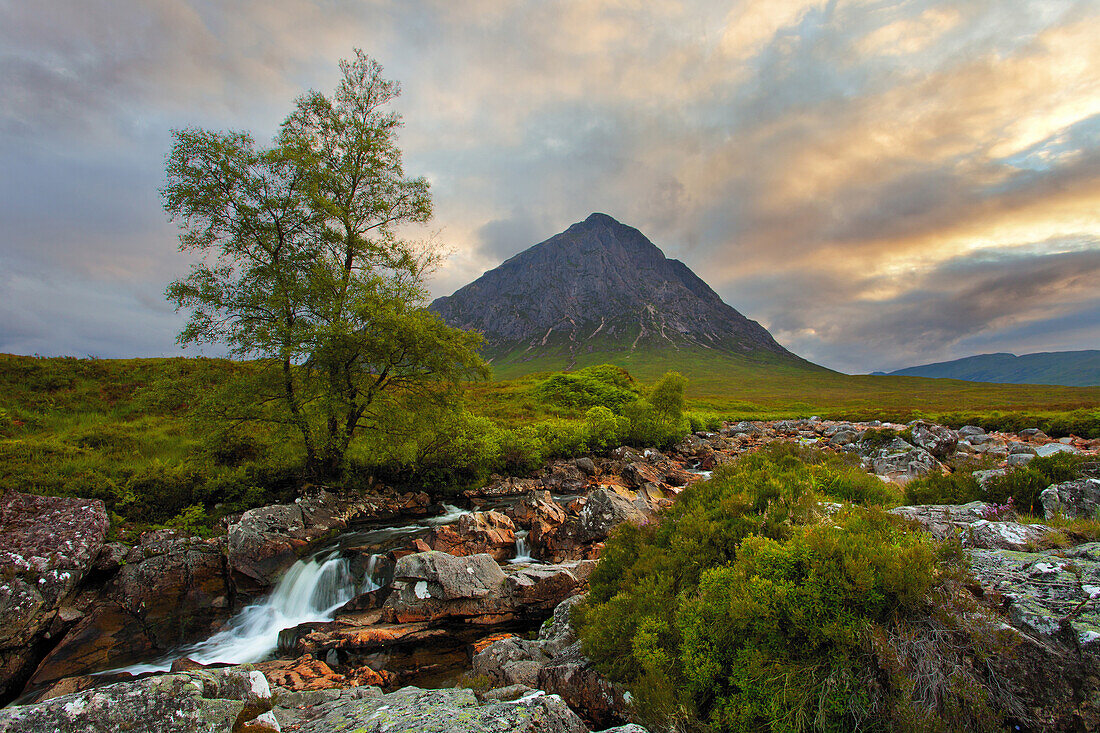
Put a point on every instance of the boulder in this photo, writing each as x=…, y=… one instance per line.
x=538, y=506
x=1019, y=459
x=586, y=465
x=985, y=477
x=263, y=544
x=604, y=511
x=553, y=662
x=449, y=710
x=1049, y=600
x=232, y=699
x=47, y=546
x=169, y=591
x=971, y=524
x=936, y=439
x=968, y=431
x=433, y=587
x=899, y=461
x=843, y=437
x=564, y=477
x=476, y=533
x=1051, y=449
x=1072, y=499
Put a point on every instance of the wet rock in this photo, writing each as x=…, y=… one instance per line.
x=554, y=663
x=47, y=546
x=263, y=544
x=451, y=710
x=1072, y=499
x=971, y=524
x=538, y=506
x=476, y=533
x=233, y=699
x=936, y=439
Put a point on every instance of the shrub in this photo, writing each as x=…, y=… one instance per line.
x=604, y=385
x=1022, y=485
x=741, y=610
x=953, y=488
x=604, y=429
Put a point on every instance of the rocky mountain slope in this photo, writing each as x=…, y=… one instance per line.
x=1069, y=368
x=600, y=288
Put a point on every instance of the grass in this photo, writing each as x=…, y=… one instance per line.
x=118, y=429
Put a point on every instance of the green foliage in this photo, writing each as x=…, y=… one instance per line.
x=658, y=420
x=605, y=430
x=603, y=385
x=705, y=421
x=299, y=265
x=742, y=610
x=880, y=437
x=952, y=488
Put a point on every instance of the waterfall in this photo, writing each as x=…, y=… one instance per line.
x=311, y=590
x=523, y=552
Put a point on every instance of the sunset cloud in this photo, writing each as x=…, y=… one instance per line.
x=880, y=183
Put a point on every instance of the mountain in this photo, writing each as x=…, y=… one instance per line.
x=1069, y=368
x=602, y=292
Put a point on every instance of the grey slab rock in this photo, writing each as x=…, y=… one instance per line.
x=207, y=701
x=1019, y=459
x=412, y=710
x=936, y=439
x=1072, y=499
x=968, y=522
x=1051, y=449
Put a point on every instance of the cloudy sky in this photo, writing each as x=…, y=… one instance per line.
x=880, y=183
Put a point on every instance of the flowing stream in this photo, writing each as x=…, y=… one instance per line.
x=311, y=590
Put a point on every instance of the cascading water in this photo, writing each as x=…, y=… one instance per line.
x=523, y=552
x=311, y=590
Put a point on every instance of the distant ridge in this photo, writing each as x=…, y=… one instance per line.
x=1068, y=368
x=601, y=291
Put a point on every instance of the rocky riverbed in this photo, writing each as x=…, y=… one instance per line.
x=343, y=602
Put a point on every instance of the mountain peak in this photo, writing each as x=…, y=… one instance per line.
x=600, y=289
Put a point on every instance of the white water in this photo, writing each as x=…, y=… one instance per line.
x=523, y=552
x=311, y=590
x=450, y=514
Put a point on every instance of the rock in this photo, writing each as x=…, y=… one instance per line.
x=1051, y=449
x=476, y=533
x=936, y=439
x=232, y=699
x=604, y=511
x=1016, y=448
x=170, y=590
x=1072, y=499
x=307, y=673
x=967, y=431
x=554, y=663
x=263, y=544
x=538, y=506
x=970, y=524
x=563, y=477
x=433, y=586
x=902, y=462
x=1033, y=434
x=843, y=437
x=510, y=486
x=585, y=465
x=47, y=546
x=640, y=473
x=690, y=446
x=979, y=440
x=1019, y=459
x=450, y=710
x=985, y=477
x=1050, y=601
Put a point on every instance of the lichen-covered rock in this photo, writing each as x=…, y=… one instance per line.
x=169, y=590
x=936, y=439
x=47, y=546
x=1052, y=601
x=901, y=462
x=1072, y=499
x=207, y=701
x=968, y=522
x=536, y=507
x=604, y=511
x=426, y=711
x=263, y=544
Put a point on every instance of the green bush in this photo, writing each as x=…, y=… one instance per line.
x=1022, y=485
x=743, y=610
x=604, y=385
x=604, y=429
x=953, y=488
x=658, y=421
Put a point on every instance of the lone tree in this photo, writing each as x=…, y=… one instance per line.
x=301, y=268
